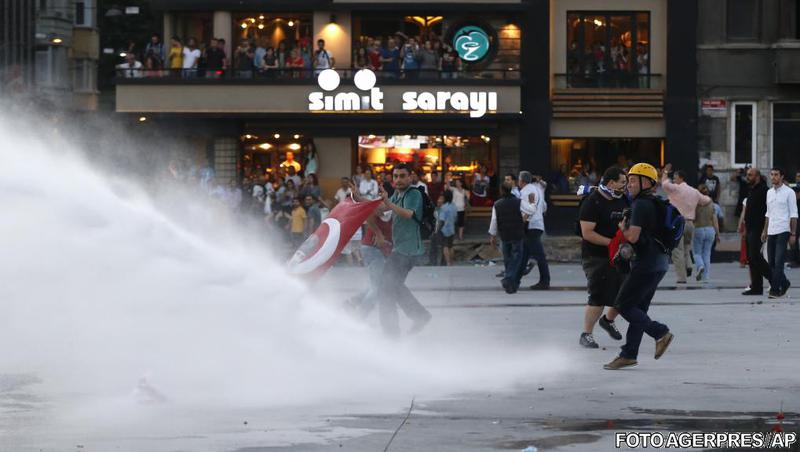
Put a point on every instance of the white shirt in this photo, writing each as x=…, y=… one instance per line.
x=131, y=71
x=421, y=184
x=341, y=194
x=324, y=58
x=781, y=207
x=534, y=211
x=368, y=188
x=515, y=192
x=459, y=199
x=190, y=57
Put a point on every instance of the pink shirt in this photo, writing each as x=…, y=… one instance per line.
x=684, y=197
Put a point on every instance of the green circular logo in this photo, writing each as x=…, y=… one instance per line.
x=471, y=43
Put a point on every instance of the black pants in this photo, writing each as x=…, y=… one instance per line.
x=759, y=268
x=536, y=251
x=633, y=302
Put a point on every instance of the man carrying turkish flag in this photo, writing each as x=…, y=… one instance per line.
x=406, y=207
x=321, y=249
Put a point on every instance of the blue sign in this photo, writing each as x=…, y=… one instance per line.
x=471, y=43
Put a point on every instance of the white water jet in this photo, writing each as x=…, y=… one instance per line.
x=109, y=301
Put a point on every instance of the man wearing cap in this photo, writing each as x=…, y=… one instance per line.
x=648, y=267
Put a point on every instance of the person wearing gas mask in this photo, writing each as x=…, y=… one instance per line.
x=598, y=228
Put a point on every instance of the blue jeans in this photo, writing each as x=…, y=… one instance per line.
x=701, y=246
x=776, y=251
x=393, y=285
x=633, y=301
x=515, y=257
x=536, y=251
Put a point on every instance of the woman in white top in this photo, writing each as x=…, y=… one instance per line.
x=368, y=187
x=460, y=200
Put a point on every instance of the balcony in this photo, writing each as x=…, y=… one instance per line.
x=286, y=91
x=617, y=97
x=787, y=63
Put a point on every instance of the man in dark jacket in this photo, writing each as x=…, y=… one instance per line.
x=508, y=224
x=754, y=217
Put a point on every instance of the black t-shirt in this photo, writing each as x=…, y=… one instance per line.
x=597, y=209
x=649, y=253
x=756, y=207
x=214, y=58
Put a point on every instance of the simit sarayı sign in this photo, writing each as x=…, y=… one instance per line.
x=476, y=103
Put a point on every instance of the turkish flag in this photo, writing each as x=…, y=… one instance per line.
x=322, y=248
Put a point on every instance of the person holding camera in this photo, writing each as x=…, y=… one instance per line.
x=598, y=227
x=648, y=267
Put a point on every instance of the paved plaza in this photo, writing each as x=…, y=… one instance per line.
x=732, y=366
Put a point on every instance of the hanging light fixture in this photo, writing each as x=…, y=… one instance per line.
x=291, y=23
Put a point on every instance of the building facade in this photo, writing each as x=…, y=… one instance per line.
x=49, y=51
x=561, y=87
x=748, y=87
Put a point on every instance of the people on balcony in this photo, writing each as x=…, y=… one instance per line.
x=191, y=58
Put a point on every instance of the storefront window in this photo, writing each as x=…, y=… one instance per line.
x=266, y=155
x=463, y=157
x=602, y=51
x=582, y=161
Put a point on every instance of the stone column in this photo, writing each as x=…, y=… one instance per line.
x=223, y=24
x=169, y=30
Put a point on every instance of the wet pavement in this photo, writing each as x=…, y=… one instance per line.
x=733, y=366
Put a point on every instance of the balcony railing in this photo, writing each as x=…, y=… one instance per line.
x=308, y=76
x=622, y=80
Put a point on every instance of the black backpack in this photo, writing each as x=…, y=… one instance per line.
x=428, y=222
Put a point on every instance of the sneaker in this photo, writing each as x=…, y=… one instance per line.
x=420, y=324
x=680, y=282
x=540, y=286
x=502, y=274
x=750, y=291
x=786, y=289
x=700, y=273
x=774, y=294
x=610, y=328
x=620, y=363
x=587, y=341
x=663, y=343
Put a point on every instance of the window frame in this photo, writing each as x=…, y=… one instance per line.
x=580, y=35
x=757, y=25
x=772, y=127
x=753, y=131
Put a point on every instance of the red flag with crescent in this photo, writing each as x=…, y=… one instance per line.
x=321, y=249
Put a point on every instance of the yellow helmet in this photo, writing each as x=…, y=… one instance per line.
x=644, y=169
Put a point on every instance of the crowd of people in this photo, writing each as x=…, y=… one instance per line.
x=410, y=57
x=396, y=56
x=599, y=66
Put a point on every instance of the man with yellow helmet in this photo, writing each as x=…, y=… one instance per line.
x=648, y=267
